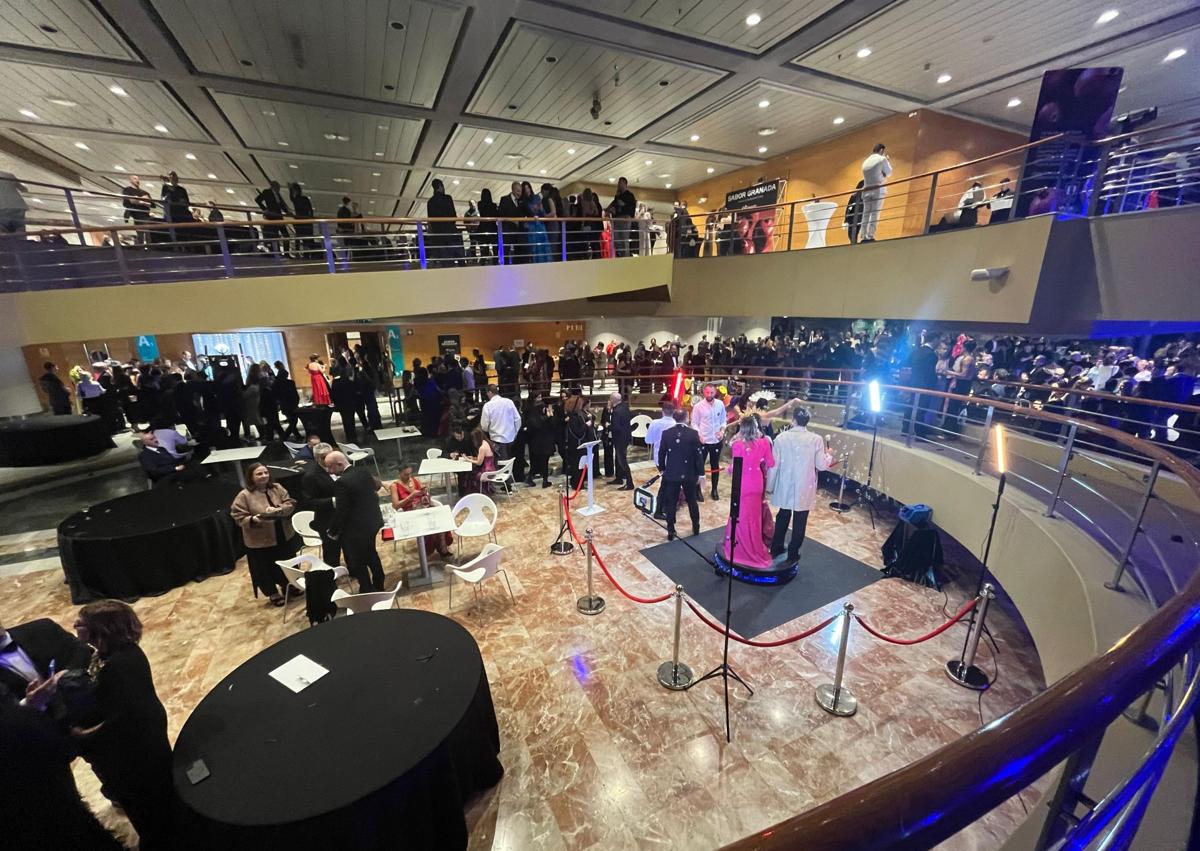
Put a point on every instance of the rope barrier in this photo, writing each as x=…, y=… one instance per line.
x=967, y=606
x=567, y=514
x=617, y=584
x=578, y=486
x=751, y=643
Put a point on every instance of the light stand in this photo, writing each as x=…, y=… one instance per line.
x=864, y=496
x=723, y=670
x=963, y=670
x=840, y=505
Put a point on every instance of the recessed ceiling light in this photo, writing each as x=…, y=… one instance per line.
x=230, y=191
x=1175, y=54
x=336, y=137
x=702, y=199
x=243, y=203
x=381, y=127
x=664, y=82
x=189, y=156
x=487, y=140
x=667, y=185
x=1014, y=102
x=762, y=149
x=753, y=19
x=374, y=174
x=293, y=165
x=764, y=103
x=663, y=176
x=612, y=180
x=82, y=146
x=649, y=162
x=1105, y=17
x=710, y=170
x=863, y=52
x=455, y=182
x=282, y=144
x=373, y=189
x=118, y=91
x=542, y=171
x=57, y=101
x=341, y=180
x=944, y=78
x=118, y=168
x=695, y=137
x=551, y=59
x=839, y=120
x=379, y=153
x=470, y=163
x=29, y=113
x=161, y=128
x=211, y=176
x=766, y=131
x=396, y=25
x=270, y=113
x=570, y=152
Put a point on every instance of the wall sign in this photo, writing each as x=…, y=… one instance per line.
x=147, y=347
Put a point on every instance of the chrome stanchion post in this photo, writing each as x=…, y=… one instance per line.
x=962, y=670
x=1063, y=461
x=1115, y=585
x=674, y=674
x=983, y=439
x=591, y=604
x=840, y=505
x=833, y=697
x=562, y=547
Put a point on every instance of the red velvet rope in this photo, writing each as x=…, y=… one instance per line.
x=579, y=486
x=567, y=513
x=748, y=642
x=617, y=585
x=967, y=606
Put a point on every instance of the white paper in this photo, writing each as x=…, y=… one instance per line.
x=299, y=673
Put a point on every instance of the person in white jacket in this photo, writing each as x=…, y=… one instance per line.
x=876, y=169
x=799, y=456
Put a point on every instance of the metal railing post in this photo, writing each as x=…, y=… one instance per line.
x=933, y=182
x=1115, y=585
x=327, y=244
x=1100, y=174
x=983, y=440
x=226, y=257
x=74, y=215
x=500, y=243
x=119, y=253
x=1063, y=461
x=562, y=229
x=912, y=421
x=421, y=244
x=791, y=223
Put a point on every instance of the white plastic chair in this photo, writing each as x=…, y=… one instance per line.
x=294, y=448
x=502, y=475
x=476, y=524
x=433, y=453
x=296, y=576
x=372, y=601
x=486, y=564
x=302, y=523
x=641, y=427
x=358, y=453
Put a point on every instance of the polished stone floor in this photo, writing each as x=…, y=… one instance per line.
x=597, y=754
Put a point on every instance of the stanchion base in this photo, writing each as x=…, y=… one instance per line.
x=562, y=548
x=589, y=510
x=836, y=701
x=590, y=605
x=675, y=676
x=1113, y=586
x=967, y=676
x=840, y=507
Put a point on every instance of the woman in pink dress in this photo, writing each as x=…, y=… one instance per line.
x=755, y=526
x=320, y=387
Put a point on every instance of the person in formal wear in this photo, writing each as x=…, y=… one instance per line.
x=287, y=397
x=622, y=208
x=751, y=548
x=318, y=379
x=622, y=434
x=590, y=225
x=161, y=466
x=316, y=491
x=408, y=494
x=536, y=234
x=31, y=654
x=500, y=420
x=441, y=236
x=137, y=204
x=852, y=221
x=302, y=208
x=512, y=206
x=540, y=438
x=214, y=213
x=56, y=392
x=128, y=746
x=356, y=520
x=876, y=169
x=483, y=460
x=274, y=207
x=709, y=418
x=345, y=398
x=252, y=405
x=485, y=230
x=923, y=375
x=799, y=456
x=263, y=510
x=177, y=207
x=1002, y=202
x=680, y=462
x=654, y=431
x=90, y=393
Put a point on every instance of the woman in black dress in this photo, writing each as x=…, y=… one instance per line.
x=263, y=511
x=128, y=747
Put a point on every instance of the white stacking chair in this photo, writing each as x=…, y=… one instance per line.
x=295, y=576
x=433, y=452
x=372, y=601
x=502, y=476
x=486, y=564
x=293, y=448
x=477, y=523
x=302, y=523
x=358, y=453
x=641, y=427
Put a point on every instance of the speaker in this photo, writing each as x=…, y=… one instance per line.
x=223, y=365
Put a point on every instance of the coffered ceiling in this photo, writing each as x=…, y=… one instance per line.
x=375, y=98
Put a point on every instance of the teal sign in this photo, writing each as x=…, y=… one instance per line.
x=147, y=347
x=395, y=339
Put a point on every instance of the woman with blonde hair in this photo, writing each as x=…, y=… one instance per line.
x=752, y=549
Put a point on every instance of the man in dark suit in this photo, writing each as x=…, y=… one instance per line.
x=622, y=434
x=440, y=236
x=317, y=487
x=681, y=466
x=356, y=520
x=274, y=207
x=923, y=374
x=161, y=467
x=511, y=207
x=35, y=651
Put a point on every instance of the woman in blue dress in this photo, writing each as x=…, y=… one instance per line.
x=539, y=242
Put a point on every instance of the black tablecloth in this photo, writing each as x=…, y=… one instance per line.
x=150, y=542
x=39, y=440
x=381, y=752
x=317, y=419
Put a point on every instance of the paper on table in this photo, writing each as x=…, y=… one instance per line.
x=299, y=673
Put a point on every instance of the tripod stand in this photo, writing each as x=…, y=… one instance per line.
x=963, y=670
x=723, y=670
x=865, y=495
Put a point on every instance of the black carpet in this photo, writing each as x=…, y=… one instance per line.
x=825, y=575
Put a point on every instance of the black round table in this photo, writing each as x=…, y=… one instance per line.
x=149, y=542
x=383, y=751
x=38, y=440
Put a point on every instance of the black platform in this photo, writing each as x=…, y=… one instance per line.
x=45, y=439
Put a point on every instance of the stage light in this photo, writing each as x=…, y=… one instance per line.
x=1001, y=451
x=677, y=386
x=874, y=396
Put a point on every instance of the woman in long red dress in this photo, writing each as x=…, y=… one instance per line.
x=408, y=494
x=320, y=385
x=755, y=525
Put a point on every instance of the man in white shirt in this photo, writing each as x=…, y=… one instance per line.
x=655, y=430
x=792, y=484
x=501, y=421
x=709, y=418
x=876, y=169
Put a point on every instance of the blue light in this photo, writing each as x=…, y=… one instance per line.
x=756, y=577
x=580, y=666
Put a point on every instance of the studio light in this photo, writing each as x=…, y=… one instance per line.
x=1001, y=451
x=874, y=396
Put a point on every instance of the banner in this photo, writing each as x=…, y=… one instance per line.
x=754, y=231
x=395, y=342
x=147, y=348
x=1078, y=103
x=449, y=344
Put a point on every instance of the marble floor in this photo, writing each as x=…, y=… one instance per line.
x=597, y=754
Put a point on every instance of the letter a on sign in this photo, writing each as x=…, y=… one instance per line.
x=147, y=347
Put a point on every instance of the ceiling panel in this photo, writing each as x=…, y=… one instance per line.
x=265, y=124
x=390, y=50
x=656, y=171
x=1148, y=81
x=523, y=84
x=515, y=153
x=148, y=161
x=718, y=21
x=914, y=42
x=359, y=181
x=73, y=26
x=795, y=118
x=95, y=106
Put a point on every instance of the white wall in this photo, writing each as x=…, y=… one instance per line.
x=687, y=328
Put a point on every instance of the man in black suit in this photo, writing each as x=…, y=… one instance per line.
x=317, y=487
x=33, y=652
x=440, y=236
x=622, y=433
x=511, y=207
x=356, y=520
x=161, y=467
x=923, y=374
x=274, y=207
x=681, y=466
